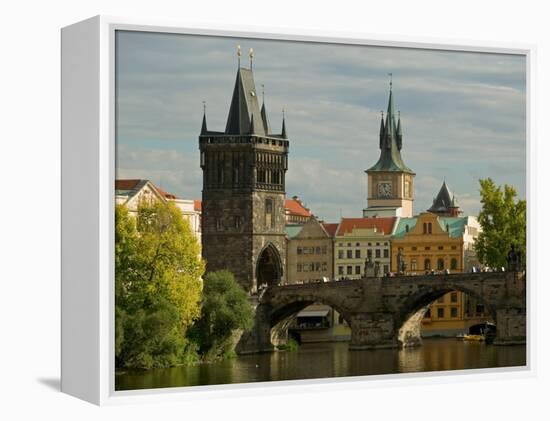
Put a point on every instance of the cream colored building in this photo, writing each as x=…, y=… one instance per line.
x=359, y=239
x=133, y=192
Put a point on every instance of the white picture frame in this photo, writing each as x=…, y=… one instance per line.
x=88, y=168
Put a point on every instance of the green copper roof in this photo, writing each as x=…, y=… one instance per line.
x=390, y=144
x=401, y=229
x=456, y=225
x=293, y=230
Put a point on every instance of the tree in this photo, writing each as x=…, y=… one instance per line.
x=225, y=310
x=157, y=284
x=503, y=221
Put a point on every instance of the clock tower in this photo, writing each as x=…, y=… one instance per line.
x=390, y=181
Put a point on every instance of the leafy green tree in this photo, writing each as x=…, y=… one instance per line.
x=225, y=310
x=503, y=221
x=158, y=286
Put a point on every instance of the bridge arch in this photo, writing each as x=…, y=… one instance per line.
x=412, y=310
x=281, y=312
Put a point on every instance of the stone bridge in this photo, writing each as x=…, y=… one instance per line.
x=387, y=312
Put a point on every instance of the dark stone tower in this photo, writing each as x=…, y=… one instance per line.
x=243, y=219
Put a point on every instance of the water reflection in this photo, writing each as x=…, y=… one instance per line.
x=330, y=360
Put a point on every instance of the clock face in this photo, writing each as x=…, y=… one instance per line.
x=384, y=189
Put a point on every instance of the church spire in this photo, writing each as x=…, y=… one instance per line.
x=391, y=141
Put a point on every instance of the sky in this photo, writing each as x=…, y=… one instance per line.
x=463, y=114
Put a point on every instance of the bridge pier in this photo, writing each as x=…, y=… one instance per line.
x=372, y=331
x=511, y=326
x=259, y=338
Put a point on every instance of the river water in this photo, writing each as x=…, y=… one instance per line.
x=321, y=360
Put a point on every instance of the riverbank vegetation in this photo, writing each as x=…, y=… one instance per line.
x=165, y=314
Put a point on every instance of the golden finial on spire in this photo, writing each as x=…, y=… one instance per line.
x=251, y=56
x=391, y=79
x=204, y=107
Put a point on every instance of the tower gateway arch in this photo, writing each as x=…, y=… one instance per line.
x=243, y=191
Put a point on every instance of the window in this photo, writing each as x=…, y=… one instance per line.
x=238, y=222
x=324, y=249
x=269, y=220
x=317, y=250
x=440, y=264
x=427, y=248
x=377, y=244
x=350, y=254
x=386, y=253
x=340, y=254
x=358, y=270
x=413, y=248
x=440, y=247
x=219, y=224
x=429, y=227
x=454, y=312
x=317, y=266
x=299, y=267
x=324, y=267
x=406, y=228
x=340, y=270
x=413, y=264
x=427, y=264
x=357, y=254
x=453, y=247
x=454, y=264
x=440, y=313
x=299, y=250
x=377, y=253
x=369, y=254
x=349, y=270
x=425, y=228
x=454, y=297
x=357, y=245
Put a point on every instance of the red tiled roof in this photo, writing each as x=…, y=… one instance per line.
x=126, y=184
x=330, y=229
x=384, y=225
x=295, y=207
x=198, y=205
x=166, y=195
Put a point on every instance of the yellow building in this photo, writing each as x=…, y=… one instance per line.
x=431, y=243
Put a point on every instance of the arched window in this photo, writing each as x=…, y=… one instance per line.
x=425, y=230
x=454, y=264
x=440, y=264
x=427, y=264
x=429, y=227
x=413, y=264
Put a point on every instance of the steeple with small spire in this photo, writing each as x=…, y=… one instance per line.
x=445, y=204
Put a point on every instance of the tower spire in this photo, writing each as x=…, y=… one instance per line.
x=251, y=56
x=399, y=133
x=381, y=128
x=238, y=56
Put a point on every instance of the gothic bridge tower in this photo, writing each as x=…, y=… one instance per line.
x=390, y=181
x=243, y=222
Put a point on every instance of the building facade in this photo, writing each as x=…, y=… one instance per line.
x=359, y=240
x=244, y=168
x=390, y=181
x=431, y=243
x=310, y=252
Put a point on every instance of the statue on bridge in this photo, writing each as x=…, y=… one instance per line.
x=401, y=265
x=513, y=259
x=369, y=267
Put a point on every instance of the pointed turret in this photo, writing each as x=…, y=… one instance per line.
x=265, y=120
x=283, y=131
x=444, y=203
x=204, y=129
